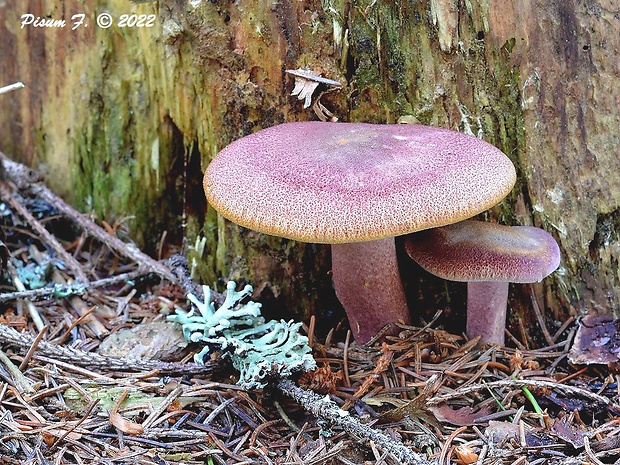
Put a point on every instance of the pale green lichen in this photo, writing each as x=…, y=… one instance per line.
x=210, y=323
x=32, y=275
x=61, y=291
x=259, y=350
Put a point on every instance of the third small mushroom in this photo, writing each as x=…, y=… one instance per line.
x=356, y=186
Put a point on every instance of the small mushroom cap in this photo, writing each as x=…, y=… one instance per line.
x=351, y=182
x=479, y=251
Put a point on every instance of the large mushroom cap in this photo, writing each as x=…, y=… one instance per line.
x=350, y=182
x=476, y=251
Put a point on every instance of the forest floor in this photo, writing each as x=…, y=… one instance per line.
x=78, y=300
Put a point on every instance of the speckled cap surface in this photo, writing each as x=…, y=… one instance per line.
x=349, y=182
x=479, y=251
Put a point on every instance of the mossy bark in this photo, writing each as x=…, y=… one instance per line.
x=124, y=120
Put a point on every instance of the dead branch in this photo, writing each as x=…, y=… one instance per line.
x=9, y=197
x=27, y=180
x=23, y=341
x=329, y=411
x=46, y=292
x=565, y=388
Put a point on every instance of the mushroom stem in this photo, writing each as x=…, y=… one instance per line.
x=368, y=285
x=486, y=311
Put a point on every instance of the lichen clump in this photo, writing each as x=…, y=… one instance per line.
x=259, y=350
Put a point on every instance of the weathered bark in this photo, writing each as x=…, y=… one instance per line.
x=124, y=120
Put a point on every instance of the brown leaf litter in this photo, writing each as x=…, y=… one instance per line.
x=422, y=397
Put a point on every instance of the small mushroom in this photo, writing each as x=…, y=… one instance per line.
x=488, y=257
x=356, y=186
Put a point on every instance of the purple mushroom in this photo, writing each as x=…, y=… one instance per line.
x=487, y=256
x=356, y=186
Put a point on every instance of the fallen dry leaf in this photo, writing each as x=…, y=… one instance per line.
x=464, y=416
x=466, y=454
x=569, y=433
x=117, y=420
x=597, y=341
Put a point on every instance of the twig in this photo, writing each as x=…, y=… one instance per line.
x=45, y=292
x=33, y=348
x=179, y=268
x=563, y=328
x=92, y=360
x=329, y=411
x=128, y=250
x=381, y=365
x=589, y=452
x=28, y=180
x=448, y=442
x=21, y=383
x=89, y=410
x=32, y=310
x=345, y=360
x=225, y=449
x=10, y=198
x=82, y=308
x=569, y=390
x=10, y=87
x=311, y=328
x=85, y=316
x=539, y=317
x=286, y=418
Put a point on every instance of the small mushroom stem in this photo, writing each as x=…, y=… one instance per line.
x=368, y=285
x=486, y=311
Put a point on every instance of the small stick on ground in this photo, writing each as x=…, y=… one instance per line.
x=33, y=348
x=89, y=409
x=162, y=407
x=9, y=336
x=329, y=411
x=11, y=87
x=566, y=389
x=46, y=292
x=23, y=384
x=70, y=262
x=27, y=180
x=539, y=318
x=32, y=310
